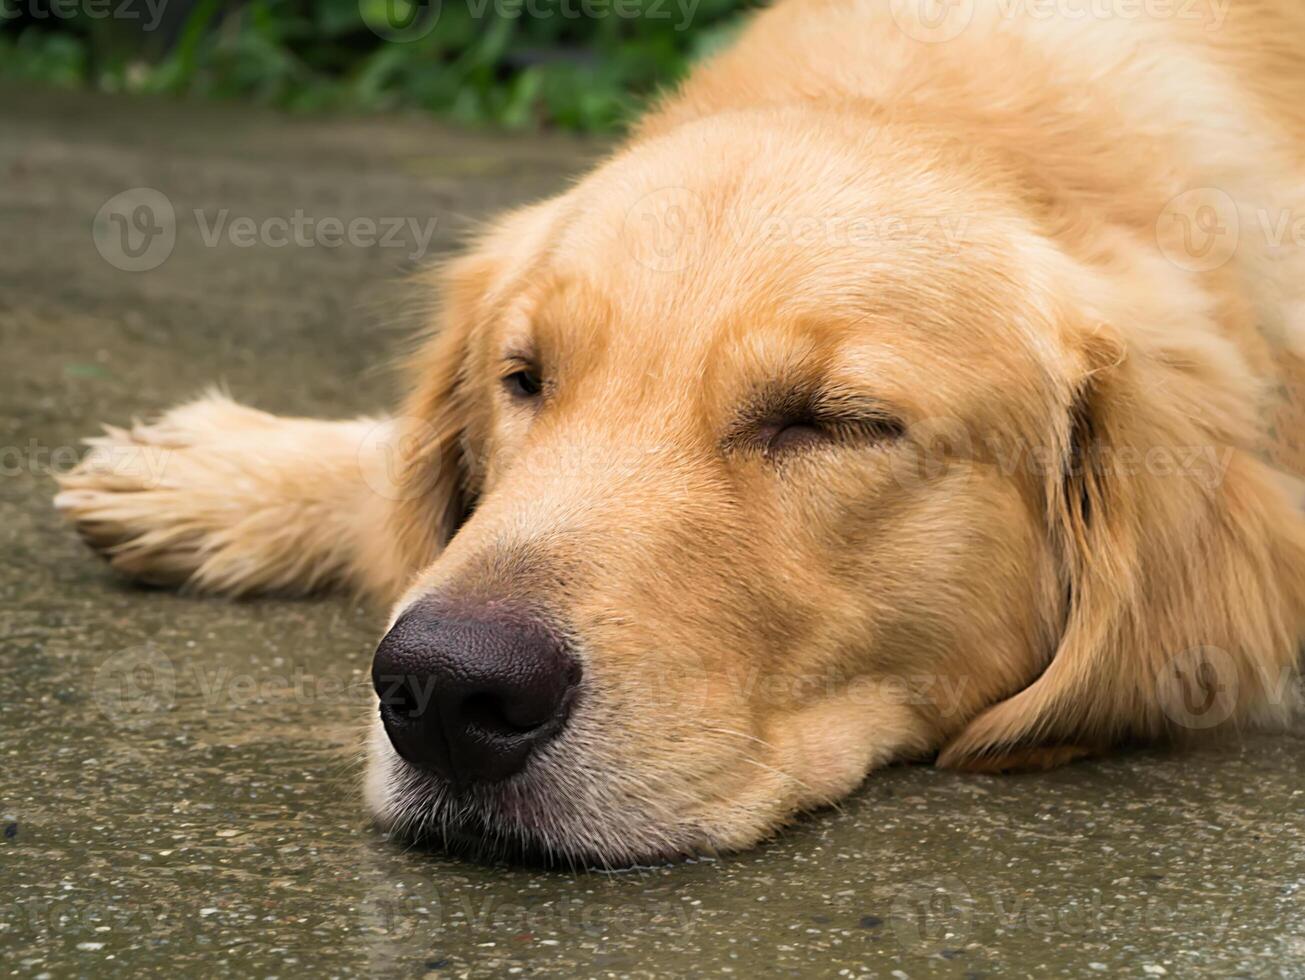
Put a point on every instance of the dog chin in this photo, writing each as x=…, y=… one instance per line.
x=528, y=819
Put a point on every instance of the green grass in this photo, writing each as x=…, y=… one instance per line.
x=583, y=65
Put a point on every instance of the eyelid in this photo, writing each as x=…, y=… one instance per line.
x=512, y=362
x=829, y=408
x=866, y=417
x=839, y=402
x=840, y=416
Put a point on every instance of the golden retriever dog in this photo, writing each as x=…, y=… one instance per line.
x=919, y=381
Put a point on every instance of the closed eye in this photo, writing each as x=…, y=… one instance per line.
x=779, y=437
x=793, y=423
x=791, y=435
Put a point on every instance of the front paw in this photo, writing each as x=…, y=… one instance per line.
x=123, y=499
x=225, y=499
x=159, y=501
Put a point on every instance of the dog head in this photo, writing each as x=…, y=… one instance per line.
x=786, y=445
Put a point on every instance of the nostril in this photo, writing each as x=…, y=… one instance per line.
x=404, y=696
x=489, y=713
x=402, y=699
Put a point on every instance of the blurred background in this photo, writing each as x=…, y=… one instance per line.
x=579, y=65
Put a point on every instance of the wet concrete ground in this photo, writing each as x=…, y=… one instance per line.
x=179, y=788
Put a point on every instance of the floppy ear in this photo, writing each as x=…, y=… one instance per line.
x=1182, y=561
x=439, y=429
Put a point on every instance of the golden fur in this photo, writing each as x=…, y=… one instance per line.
x=1037, y=489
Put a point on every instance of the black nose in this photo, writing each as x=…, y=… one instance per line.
x=470, y=696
